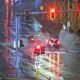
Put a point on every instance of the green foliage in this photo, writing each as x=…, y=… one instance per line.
x=78, y=22
x=74, y=16
x=63, y=7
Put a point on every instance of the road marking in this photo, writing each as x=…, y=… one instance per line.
x=37, y=73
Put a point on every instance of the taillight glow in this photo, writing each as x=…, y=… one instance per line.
x=49, y=42
x=58, y=42
x=32, y=39
x=54, y=40
x=38, y=47
x=7, y=21
x=49, y=60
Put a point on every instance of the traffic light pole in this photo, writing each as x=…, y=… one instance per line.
x=16, y=43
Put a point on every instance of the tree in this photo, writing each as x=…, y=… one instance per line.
x=74, y=14
x=63, y=15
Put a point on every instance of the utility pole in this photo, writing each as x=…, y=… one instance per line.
x=68, y=22
x=16, y=44
x=68, y=10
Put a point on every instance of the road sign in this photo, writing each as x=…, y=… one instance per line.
x=64, y=26
x=37, y=65
x=37, y=73
x=14, y=44
x=68, y=24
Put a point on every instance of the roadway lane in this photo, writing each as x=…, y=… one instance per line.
x=69, y=62
x=47, y=61
x=26, y=49
x=27, y=55
x=11, y=58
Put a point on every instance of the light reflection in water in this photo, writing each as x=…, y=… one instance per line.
x=49, y=59
x=7, y=22
x=57, y=63
x=54, y=64
x=14, y=28
x=10, y=55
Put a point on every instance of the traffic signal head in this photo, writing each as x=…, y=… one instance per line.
x=27, y=15
x=52, y=10
x=52, y=13
x=21, y=43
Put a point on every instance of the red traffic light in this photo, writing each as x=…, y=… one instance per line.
x=52, y=10
x=52, y=14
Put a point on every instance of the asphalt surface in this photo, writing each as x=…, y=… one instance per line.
x=24, y=59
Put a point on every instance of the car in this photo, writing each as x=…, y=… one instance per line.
x=55, y=43
x=39, y=49
x=38, y=37
x=31, y=39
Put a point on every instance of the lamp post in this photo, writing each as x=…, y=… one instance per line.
x=68, y=22
x=16, y=44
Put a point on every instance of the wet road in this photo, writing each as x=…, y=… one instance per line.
x=68, y=61
x=67, y=69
